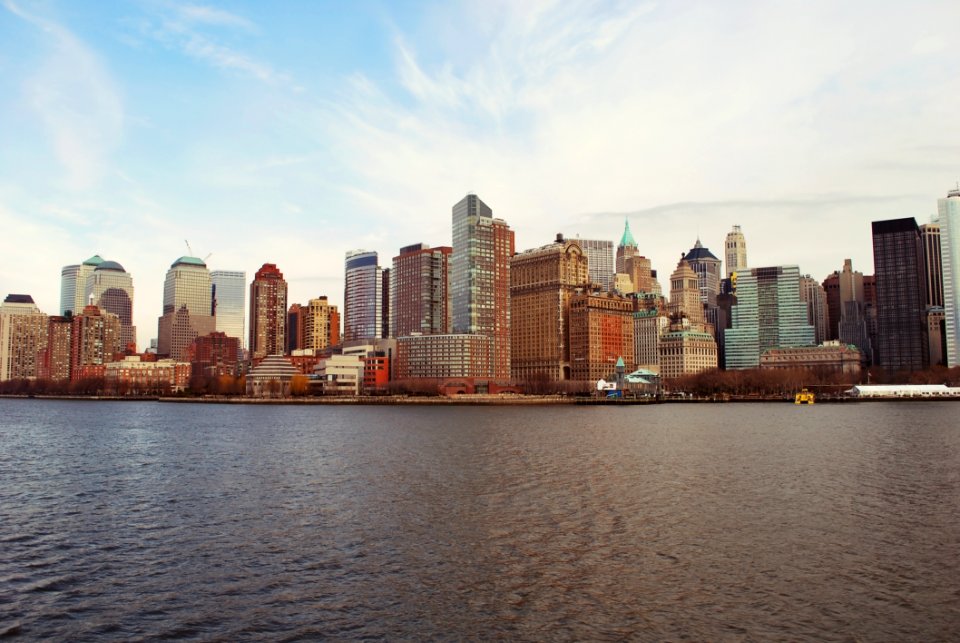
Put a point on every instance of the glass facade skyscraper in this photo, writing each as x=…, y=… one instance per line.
x=187, y=307
x=73, y=285
x=949, y=212
x=768, y=314
x=111, y=288
x=600, y=262
x=480, y=278
x=229, y=294
x=362, y=296
x=902, y=342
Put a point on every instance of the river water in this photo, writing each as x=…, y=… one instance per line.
x=130, y=521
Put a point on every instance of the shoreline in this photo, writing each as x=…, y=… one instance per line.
x=462, y=400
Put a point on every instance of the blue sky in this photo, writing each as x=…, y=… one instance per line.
x=291, y=132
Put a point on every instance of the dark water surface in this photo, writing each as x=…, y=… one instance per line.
x=129, y=521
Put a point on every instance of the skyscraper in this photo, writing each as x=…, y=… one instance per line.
x=853, y=326
x=626, y=248
x=110, y=287
x=685, y=293
x=229, y=293
x=813, y=294
x=73, y=285
x=95, y=338
x=949, y=212
x=932, y=262
x=707, y=267
x=735, y=251
x=480, y=278
x=268, y=312
x=23, y=336
x=686, y=347
x=901, y=291
x=362, y=297
x=599, y=261
x=543, y=280
x=419, y=301
x=320, y=324
x=187, y=307
x=768, y=314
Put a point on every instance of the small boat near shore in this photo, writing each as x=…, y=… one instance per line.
x=804, y=397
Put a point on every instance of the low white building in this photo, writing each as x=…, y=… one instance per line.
x=340, y=374
x=903, y=391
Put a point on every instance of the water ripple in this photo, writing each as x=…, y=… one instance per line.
x=736, y=522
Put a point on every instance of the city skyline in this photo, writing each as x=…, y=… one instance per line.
x=124, y=136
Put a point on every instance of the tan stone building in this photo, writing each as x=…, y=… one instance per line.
x=831, y=355
x=442, y=356
x=321, y=324
x=542, y=282
x=96, y=339
x=687, y=346
x=601, y=331
x=23, y=335
x=685, y=350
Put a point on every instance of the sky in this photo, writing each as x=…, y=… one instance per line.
x=291, y=132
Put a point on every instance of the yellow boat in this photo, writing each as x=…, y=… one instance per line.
x=804, y=397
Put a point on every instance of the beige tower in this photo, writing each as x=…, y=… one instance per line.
x=685, y=294
x=23, y=335
x=735, y=251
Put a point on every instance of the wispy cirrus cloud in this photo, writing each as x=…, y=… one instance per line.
x=76, y=99
x=196, y=31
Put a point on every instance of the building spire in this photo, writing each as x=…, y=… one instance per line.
x=627, y=238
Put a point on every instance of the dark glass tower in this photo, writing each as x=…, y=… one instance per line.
x=901, y=293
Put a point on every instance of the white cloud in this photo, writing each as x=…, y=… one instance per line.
x=77, y=101
x=562, y=109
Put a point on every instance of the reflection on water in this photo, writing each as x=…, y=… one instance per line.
x=140, y=520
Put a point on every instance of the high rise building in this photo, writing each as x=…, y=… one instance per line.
x=187, y=307
x=687, y=347
x=419, y=301
x=320, y=323
x=95, y=339
x=229, y=293
x=268, y=312
x=110, y=287
x=601, y=332
x=932, y=263
x=813, y=294
x=295, y=316
x=735, y=251
x=831, y=288
x=949, y=213
x=707, y=267
x=480, y=278
x=626, y=248
x=599, y=261
x=768, y=314
x=362, y=297
x=853, y=327
x=55, y=357
x=901, y=293
x=73, y=285
x=385, y=288
x=23, y=336
x=685, y=293
x=542, y=282
x=643, y=278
